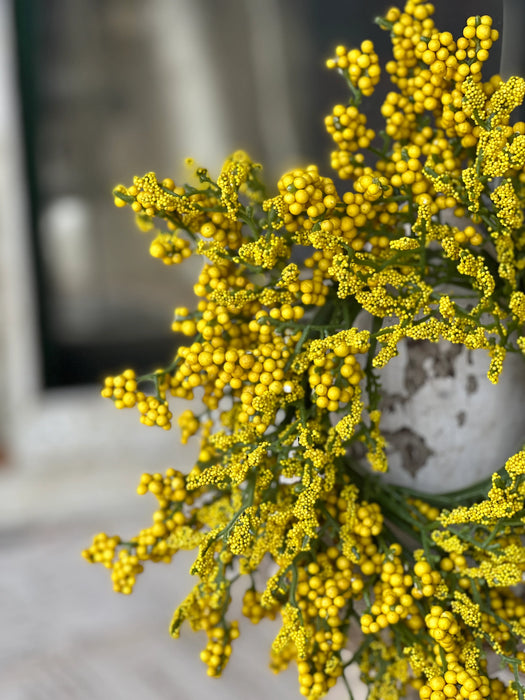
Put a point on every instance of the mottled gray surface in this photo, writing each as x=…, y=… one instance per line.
x=446, y=425
x=67, y=636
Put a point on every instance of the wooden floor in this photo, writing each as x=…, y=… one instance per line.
x=66, y=636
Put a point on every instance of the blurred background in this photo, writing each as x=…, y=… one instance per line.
x=91, y=93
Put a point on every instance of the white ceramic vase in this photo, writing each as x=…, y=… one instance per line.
x=446, y=424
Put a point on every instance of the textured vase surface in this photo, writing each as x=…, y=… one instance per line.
x=447, y=426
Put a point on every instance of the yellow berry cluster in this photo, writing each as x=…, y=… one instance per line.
x=323, y=376
x=393, y=601
x=360, y=66
x=347, y=126
x=122, y=388
x=125, y=571
x=252, y=608
x=468, y=235
x=169, y=248
x=218, y=649
x=429, y=512
x=323, y=591
x=102, y=550
x=426, y=581
x=442, y=627
x=155, y=411
x=307, y=192
x=471, y=686
x=222, y=230
x=168, y=488
x=302, y=299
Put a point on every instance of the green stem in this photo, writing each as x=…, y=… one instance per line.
x=347, y=686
